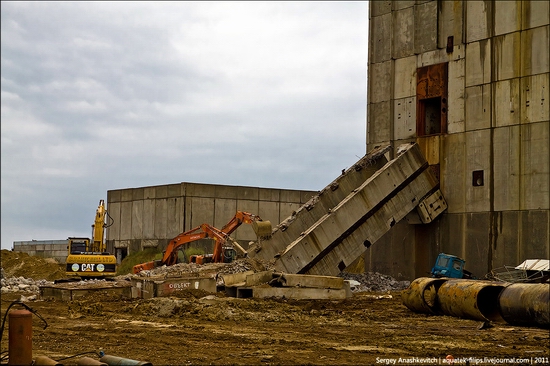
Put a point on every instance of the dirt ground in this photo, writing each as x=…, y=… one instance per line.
x=202, y=328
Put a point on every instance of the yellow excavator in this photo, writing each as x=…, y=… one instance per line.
x=89, y=258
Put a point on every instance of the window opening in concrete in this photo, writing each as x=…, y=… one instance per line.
x=431, y=100
x=477, y=178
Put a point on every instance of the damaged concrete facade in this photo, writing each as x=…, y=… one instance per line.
x=469, y=82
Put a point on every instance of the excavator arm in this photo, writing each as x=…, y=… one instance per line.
x=170, y=256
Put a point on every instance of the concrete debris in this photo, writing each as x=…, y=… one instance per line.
x=21, y=284
x=373, y=282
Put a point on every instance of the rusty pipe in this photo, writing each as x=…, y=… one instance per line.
x=421, y=295
x=45, y=361
x=20, y=337
x=526, y=304
x=471, y=299
x=88, y=361
x=114, y=360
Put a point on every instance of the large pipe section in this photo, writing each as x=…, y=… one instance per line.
x=470, y=299
x=526, y=304
x=421, y=295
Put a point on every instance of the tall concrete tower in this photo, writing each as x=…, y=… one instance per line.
x=469, y=82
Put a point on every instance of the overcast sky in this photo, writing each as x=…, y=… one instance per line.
x=98, y=96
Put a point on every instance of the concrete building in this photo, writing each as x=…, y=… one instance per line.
x=152, y=216
x=468, y=81
x=56, y=249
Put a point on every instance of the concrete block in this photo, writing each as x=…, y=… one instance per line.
x=534, y=166
x=456, y=96
x=380, y=43
x=478, y=107
x=404, y=118
x=161, y=191
x=507, y=55
x=440, y=56
x=478, y=62
x=506, y=167
x=378, y=8
x=69, y=293
x=299, y=293
x=259, y=278
x=453, y=174
x=137, y=219
x=403, y=32
x=450, y=22
x=40, y=247
x=534, y=92
x=507, y=99
x=309, y=281
x=380, y=82
x=534, y=51
x=478, y=146
x=425, y=32
x=173, y=286
x=508, y=17
x=405, y=77
x=160, y=219
x=236, y=279
x=379, y=122
x=535, y=14
x=534, y=234
x=478, y=20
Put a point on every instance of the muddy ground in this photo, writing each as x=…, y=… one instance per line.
x=202, y=328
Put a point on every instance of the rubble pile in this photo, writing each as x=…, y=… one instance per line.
x=205, y=270
x=22, y=284
x=373, y=282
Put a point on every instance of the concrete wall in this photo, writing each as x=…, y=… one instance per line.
x=152, y=216
x=498, y=122
x=56, y=249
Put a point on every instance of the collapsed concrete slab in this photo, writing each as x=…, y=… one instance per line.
x=146, y=288
x=290, y=228
x=342, y=228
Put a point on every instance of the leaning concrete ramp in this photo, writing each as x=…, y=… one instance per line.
x=333, y=229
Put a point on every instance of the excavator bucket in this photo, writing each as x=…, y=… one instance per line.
x=262, y=229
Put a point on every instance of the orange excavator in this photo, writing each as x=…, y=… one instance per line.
x=220, y=237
